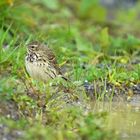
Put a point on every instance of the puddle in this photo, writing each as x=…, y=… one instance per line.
x=123, y=117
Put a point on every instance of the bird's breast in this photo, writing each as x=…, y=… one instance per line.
x=39, y=70
x=31, y=57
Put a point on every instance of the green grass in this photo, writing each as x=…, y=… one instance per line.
x=86, y=49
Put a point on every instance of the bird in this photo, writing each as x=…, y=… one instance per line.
x=41, y=63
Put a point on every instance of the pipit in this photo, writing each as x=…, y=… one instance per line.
x=41, y=62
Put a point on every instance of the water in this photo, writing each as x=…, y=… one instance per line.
x=123, y=117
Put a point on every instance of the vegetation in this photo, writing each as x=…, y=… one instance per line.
x=89, y=46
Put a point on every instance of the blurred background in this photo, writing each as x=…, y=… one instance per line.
x=34, y=16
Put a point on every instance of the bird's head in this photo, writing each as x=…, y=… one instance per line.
x=33, y=47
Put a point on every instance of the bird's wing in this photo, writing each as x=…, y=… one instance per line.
x=52, y=59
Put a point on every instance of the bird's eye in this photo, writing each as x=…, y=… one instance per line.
x=32, y=47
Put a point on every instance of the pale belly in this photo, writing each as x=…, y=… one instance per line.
x=37, y=72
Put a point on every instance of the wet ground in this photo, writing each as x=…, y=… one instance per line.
x=123, y=117
x=123, y=110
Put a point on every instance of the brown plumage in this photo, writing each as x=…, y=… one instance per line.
x=41, y=63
